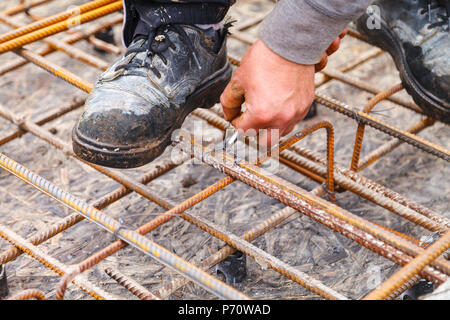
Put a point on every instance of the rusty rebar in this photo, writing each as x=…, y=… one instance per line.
x=24, y=6
x=382, y=130
x=130, y=284
x=73, y=38
x=335, y=223
x=377, y=124
x=51, y=263
x=71, y=51
x=180, y=209
x=39, y=34
x=28, y=294
x=113, y=196
x=392, y=145
x=298, y=198
x=44, y=119
x=53, y=21
x=411, y=269
x=132, y=238
x=356, y=183
x=361, y=126
x=166, y=290
x=105, y=46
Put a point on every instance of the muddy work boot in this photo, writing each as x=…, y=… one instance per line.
x=416, y=34
x=143, y=97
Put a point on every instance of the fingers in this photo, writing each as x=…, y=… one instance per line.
x=322, y=64
x=343, y=33
x=246, y=121
x=334, y=46
x=232, y=98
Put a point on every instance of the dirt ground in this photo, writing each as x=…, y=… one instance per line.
x=301, y=242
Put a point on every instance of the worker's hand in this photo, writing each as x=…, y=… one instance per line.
x=277, y=92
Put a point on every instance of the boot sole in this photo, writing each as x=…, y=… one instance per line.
x=205, y=97
x=385, y=39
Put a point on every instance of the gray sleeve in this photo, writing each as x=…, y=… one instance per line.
x=301, y=30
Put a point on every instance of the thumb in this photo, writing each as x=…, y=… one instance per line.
x=232, y=98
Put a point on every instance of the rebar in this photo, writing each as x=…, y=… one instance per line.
x=28, y=294
x=356, y=183
x=298, y=198
x=364, y=118
x=132, y=238
x=361, y=127
x=130, y=284
x=63, y=17
x=51, y=263
x=417, y=259
x=411, y=269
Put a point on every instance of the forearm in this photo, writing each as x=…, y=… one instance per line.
x=301, y=31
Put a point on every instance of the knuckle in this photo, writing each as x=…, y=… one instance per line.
x=263, y=117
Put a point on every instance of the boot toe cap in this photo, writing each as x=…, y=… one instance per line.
x=121, y=119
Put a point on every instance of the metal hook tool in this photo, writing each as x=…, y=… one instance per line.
x=230, y=141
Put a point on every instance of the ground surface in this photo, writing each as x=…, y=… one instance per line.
x=300, y=241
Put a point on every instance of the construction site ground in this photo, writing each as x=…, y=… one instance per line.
x=301, y=242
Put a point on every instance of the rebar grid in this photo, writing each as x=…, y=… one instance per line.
x=400, y=248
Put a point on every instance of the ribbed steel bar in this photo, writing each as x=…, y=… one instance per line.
x=356, y=183
x=283, y=190
x=52, y=21
x=75, y=37
x=58, y=27
x=357, y=83
x=393, y=144
x=167, y=289
x=130, y=284
x=51, y=263
x=348, y=66
x=263, y=257
x=105, y=46
x=160, y=169
x=24, y=6
x=55, y=69
x=134, y=239
x=28, y=294
x=411, y=269
x=65, y=48
x=362, y=117
x=287, y=143
x=44, y=119
x=178, y=210
x=333, y=221
x=359, y=183
x=361, y=126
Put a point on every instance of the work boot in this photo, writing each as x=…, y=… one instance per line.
x=416, y=34
x=144, y=96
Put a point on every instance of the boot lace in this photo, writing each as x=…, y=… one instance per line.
x=444, y=19
x=158, y=42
